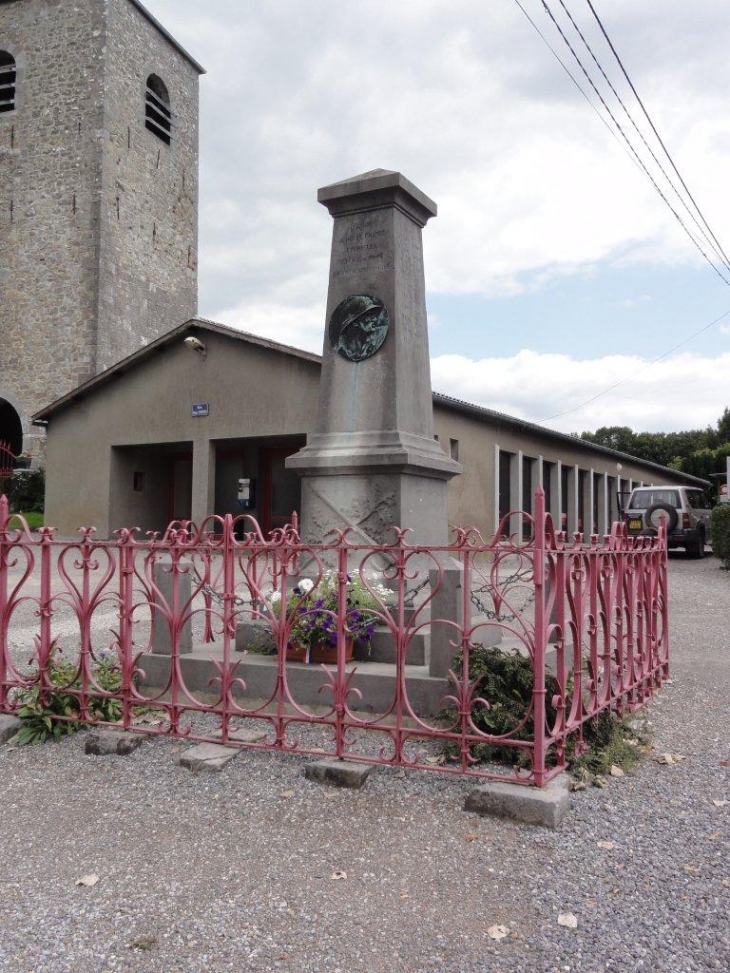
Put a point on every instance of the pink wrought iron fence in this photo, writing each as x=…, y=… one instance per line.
x=590, y=619
x=7, y=459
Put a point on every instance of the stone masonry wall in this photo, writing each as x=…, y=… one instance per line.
x=98, y=217
x=49, y=198
x=149, y=223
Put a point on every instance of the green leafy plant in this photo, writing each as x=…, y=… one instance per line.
x=720, y=533
x=39, y=710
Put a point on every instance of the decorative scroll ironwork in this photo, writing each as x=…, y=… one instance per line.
x=8, y=459
x=590, y=617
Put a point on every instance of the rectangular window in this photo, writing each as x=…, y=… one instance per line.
x=505, y=483
x=454, y=448
x=565, y=474
x=7, y=82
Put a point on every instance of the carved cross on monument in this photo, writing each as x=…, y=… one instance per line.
x=372, y=461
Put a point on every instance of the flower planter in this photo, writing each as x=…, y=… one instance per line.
x=319, y=653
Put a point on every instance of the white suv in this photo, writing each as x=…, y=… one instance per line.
x=687, y=512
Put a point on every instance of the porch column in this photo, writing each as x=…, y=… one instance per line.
x=203, y=480
x=516, y=495
x=496, y=488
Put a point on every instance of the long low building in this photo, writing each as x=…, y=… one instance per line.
x=185, y=428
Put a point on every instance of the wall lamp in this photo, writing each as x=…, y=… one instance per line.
x=195, y=344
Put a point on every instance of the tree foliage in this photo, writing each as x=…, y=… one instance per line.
x=699, y=452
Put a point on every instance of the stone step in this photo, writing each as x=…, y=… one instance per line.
x=308, y=684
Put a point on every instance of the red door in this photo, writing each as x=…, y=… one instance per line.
x=282, y=487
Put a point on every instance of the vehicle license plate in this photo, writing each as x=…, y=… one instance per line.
x=634, y=525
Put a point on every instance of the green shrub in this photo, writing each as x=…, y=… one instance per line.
x=38, y=711
x=506, y=683
x=608, y=740
x=25, y=490
x=720, y=533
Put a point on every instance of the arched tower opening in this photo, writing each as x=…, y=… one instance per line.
x=11, y=428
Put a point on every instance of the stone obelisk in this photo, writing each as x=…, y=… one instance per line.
x=372, y=461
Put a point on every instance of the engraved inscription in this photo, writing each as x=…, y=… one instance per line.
x=362, y=248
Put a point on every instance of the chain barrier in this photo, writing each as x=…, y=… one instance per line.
x=212, y=593
x=492, y=615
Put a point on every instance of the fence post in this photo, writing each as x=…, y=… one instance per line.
x=3, y=602
x=45, y=642
x=540, y=636
x=172, y=588
x=126, y=637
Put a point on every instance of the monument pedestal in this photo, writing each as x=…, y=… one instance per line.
x=372, y=462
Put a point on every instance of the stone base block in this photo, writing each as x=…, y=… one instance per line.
x=546, y=806
x=208, y=757
x=9, y=726
x=243, y=736
x=103, y=742
x=340, y=773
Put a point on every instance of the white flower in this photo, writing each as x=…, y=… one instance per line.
x=275, y=597
x=305, y=585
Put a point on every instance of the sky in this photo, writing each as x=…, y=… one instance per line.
x=554, y=270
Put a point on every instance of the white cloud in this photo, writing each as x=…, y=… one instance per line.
x=466, y=100
x=684, y=392
x=304, y=330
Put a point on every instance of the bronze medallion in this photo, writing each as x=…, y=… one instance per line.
x=358, y=327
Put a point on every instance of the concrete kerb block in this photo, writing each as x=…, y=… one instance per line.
x=9, y=726
x=101, y=743
x=545, y=806
x=339, y=773
x=243, y=736
x=208, y=757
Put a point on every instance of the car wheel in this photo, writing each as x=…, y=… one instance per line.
x=655, y=513
x=696, y=547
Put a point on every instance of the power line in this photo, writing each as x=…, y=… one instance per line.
x=638, y=371
x=629, y=143
x=704, y=230
x=572, y=77
x=653, y=127
x=577, y=84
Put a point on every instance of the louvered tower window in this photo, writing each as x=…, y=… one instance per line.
x=157, y=114
x=7, y=81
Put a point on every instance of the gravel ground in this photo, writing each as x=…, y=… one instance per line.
x=235, y=872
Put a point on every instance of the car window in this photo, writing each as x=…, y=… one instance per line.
x=643, y=499
x=697, y=500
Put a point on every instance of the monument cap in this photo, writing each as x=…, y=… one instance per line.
x=377, y=189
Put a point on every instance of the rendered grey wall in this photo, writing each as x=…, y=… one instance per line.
x=250, y=391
